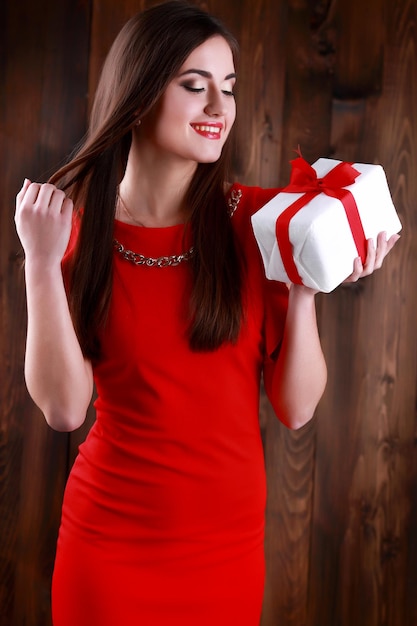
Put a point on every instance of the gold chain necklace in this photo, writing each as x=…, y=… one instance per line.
x=161, y=261
x=174, y=259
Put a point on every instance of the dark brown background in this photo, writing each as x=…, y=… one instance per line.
x=340, y=79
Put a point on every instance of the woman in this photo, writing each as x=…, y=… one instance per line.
x=155, y=292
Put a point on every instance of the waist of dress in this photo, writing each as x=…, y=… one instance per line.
x=166, y=489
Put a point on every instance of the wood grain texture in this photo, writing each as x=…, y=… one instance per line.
x=289, y=456
x=290, y=465
x=260, y=29
x=360, y=35
x=42, y=112
x=308, y=83
x=366, y=435
x=108, y=17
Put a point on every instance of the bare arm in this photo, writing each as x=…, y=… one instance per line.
x=296, y=381
x=58, y=377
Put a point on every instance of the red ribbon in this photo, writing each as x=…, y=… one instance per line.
x=304, y=180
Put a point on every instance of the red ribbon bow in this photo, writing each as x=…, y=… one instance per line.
x=304, y=180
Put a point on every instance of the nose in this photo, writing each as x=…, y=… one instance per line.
x=216, y=105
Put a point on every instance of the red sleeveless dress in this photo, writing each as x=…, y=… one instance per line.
x=163, y=513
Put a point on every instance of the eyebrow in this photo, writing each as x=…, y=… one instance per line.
x=206, y=74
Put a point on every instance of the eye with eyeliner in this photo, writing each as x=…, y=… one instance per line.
x=192, y=89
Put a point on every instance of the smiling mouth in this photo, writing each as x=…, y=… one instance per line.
x=207, y=130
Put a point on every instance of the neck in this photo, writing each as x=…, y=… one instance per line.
x=153, y=189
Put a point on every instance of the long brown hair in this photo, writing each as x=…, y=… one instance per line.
x=145, y=57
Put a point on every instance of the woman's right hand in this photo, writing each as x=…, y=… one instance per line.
x=54, y=362
x=43, y=221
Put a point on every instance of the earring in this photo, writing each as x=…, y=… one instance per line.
x=138, y=123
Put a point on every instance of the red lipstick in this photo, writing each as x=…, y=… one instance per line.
x=209, y=130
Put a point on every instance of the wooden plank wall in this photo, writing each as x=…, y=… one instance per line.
x=339, y=79
x=44, y=63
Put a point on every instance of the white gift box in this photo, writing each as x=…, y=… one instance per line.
x=323, y=247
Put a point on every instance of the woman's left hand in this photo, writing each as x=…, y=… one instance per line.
x=374, y=257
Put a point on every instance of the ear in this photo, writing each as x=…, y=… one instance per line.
x=138, y=121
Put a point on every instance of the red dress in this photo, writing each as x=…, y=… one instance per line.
x=163, y=514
